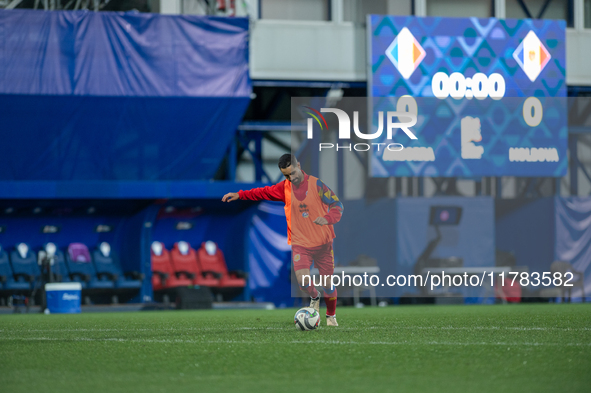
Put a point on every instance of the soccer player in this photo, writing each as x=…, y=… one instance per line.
x=311, y=209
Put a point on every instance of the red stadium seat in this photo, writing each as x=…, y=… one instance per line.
x=211, y=259
x=184, y=262
x=163, y=275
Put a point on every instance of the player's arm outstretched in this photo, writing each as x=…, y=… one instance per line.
x=335, y=207
x=275, y=192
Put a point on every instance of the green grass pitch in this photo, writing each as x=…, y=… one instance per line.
x=504, y=348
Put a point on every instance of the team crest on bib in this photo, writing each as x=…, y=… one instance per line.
x=296, y=257
x=304, y=210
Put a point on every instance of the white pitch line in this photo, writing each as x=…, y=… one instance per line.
x=329, y=342
x=478, y=328
x=440, y=343
x=280, y=328
x=137, y=330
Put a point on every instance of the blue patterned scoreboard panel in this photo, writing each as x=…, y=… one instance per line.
x=489, y=95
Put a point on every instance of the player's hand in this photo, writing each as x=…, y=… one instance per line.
x=230, y=197
x=321, y=221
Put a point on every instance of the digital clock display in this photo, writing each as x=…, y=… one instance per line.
x=489, y=95
x=458, y=86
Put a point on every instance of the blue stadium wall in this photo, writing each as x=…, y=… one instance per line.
x=540, y=231
x=396, y=231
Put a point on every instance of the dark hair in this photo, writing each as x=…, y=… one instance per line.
x=287, y=160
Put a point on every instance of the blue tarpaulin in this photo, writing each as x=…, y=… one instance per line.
x=122, y=54
x=121, y=97
x=269, y=255
x=573, y=237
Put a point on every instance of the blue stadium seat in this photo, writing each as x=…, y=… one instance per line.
x=81, y=268
x=24, y=264
x=7, y=281
x=107, y=267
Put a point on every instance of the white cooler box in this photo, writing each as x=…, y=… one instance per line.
x=64, y=297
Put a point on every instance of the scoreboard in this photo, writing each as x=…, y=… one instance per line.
x=489, y=95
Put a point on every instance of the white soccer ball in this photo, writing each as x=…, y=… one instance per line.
x=306, y=319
